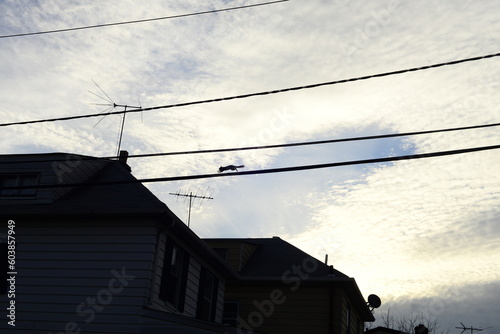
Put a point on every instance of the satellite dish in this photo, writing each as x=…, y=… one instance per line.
x=374, y=301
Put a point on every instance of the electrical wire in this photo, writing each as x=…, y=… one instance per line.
x=307, y=143
x=317, y=142
x=263, y=171
x=283, y=90
x=140, y=21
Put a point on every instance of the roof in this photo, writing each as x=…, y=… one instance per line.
x=383, y=330
x=84, y=197
x=273, y=256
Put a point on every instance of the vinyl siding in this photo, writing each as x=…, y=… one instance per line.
x=305, y=310
x=246, y=253
x=220, y=302
x=63, y=265
x=341, y=304
x=238, y=253
x=192, y=286
x=193, y=278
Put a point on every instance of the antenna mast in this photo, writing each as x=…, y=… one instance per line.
x=471, y=329
x=112, y=105
x=190, y=196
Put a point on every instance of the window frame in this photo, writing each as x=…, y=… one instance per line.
x=207, y=307
x=174, y=275
x=19, y=178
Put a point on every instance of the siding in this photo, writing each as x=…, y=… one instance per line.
x=220, y=302
x=246, y=253
x=62, y=267
x=305, y=310
x=238, y=252
x=192, y=286
x=193, y=279
x=341, y=303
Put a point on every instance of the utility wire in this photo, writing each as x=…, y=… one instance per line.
x=141, y=21
x=283, y=90
x=263, y=171
x=317, y=142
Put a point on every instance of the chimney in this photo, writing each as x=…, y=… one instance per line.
x=122, y=158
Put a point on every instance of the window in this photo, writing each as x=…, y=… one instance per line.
x=230, y=315
x=174, y=275
x=18, y=180
x=207, y=296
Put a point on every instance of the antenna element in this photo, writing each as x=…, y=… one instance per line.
x=190, y=196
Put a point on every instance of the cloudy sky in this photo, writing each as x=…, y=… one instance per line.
x=424, y=234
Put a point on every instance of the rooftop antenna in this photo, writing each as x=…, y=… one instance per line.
x=471, y=329
x=111, y=105
x=191, y=197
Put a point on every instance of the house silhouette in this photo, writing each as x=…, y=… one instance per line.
x=93, y=258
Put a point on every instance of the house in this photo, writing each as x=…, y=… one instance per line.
x=90, y=258
x=281, y=289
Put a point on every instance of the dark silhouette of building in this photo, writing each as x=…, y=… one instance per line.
x=281, y=289
x=95, y=258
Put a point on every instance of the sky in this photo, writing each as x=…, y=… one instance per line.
x=424, y=235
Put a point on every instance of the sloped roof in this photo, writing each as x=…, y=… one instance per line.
x=383, y=330
x=87, y=198
x=273, y=256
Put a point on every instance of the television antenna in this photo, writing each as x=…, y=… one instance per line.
x=471, y=329
x=191, y=197
x=111, y=105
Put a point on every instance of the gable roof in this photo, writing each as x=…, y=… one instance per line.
x=273, y=256
x=86, y=198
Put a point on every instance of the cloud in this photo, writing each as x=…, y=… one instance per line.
x=471, y=304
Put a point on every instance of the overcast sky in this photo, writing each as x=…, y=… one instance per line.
x=424, y=234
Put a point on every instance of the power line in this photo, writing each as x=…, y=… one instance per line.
x=317, y=142
x=140, y=21
x=264, y=171
x=283, y=90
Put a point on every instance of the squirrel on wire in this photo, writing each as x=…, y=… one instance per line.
x=230, y=167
